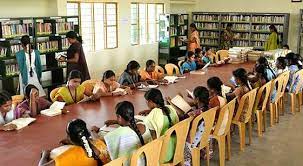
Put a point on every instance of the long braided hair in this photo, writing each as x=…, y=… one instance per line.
x=155, y=96
x=126, y=110
x=263, y=61
x=241, y=74
x=79, y=135
x=261, y=69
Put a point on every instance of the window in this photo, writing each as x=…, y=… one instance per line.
x=98, y=23
x=145, y=22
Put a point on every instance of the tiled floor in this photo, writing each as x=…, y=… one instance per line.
x=281, y=145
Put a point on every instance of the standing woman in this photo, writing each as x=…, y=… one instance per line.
x=30, y=67
x=227, y=37
x=273, y=39
x=193, y=39
x=75, y=56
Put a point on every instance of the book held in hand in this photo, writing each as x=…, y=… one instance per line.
x=21, y=122
x=54, y=110
x=179, y=102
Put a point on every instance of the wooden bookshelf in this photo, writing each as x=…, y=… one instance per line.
x=47, y=35
x=300, y=35
x=251, y=27
x=172, y=27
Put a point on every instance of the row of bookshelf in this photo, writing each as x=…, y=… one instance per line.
x=259, y=36
x=209, y=41
x=238, y=26
x=241, y=18
x=241, y=43
x=202, y=18
x=266, y=28
x=207, y=25
x=268, y=19
x=43, y=28
x=258, y=43
x=48, y=46
x=179, y=18
x=15, y=30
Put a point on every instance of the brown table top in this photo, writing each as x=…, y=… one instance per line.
x=23, y=147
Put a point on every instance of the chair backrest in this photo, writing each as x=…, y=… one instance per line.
x=53, y=94
x=181, y=129
x=246, y=104
x=286, y=76
x=180, y=63
x=17, y=99
x=89, y=86
x=209, y=118
x=225, y=118
x=117, y=162
x=277, y=87
x=298, y=76
x=263, y=93
x=214, y=58
x=151, y=151
x=222, y=54
x=160, y=69
x=170, y=68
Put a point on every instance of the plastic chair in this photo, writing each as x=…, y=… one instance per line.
x=180, y=63
x=208, y=117
x=152, y=152
x=286, y=76
x=296, y=95
x=53, y=94
x=222, y=130
x=170, y=68
x=276, y=87
x=221, y=54
x=17, y=99
x=247, y=100
x=160, y=69
x=264, y=94
x=117, y=162
x=89, y=86
x=214, y=58
x=181, y=129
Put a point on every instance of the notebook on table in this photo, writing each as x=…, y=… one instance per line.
x=22, y=122
x=55, y=109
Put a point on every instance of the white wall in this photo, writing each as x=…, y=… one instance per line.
x=266, y=6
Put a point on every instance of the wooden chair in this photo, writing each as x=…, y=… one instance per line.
x=222, y=130
x=160, y=69
x=53, y=94
x=151, y=151
x=263, y=94
x=17, y=99
x=295, y=95
x=89, y=86
x=276, y=89
x=246, y=103
x=118, y=162
x=281, y=103
x=208, y=117
x=170, y=68
x=221, y=54
x=181, y=129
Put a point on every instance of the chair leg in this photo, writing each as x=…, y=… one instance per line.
x=277, y=112
x=221, y=143
x=259, y=122
x=272, y=112
x=228, y=146
x=242, y=135
x=250, y=131
x=292, y=103
x=300, y=101
x=281, y=104
x=207, y=156
x=264, y=121
x=195, y=157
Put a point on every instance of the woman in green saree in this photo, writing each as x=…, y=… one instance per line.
x=272, y=42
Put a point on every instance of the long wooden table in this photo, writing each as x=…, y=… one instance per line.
x=24, y=147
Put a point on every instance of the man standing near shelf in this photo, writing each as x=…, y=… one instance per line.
x=75, y=56
x=30, y=67
x=227, y=37
x=273, y=39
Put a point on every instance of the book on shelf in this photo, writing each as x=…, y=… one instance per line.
x=43, y=28
x=265, y=28
x=209, y=34
x=47, y=46
x=268, y=19
x=65, y=43
x=16, y=48
x=172, y=31
x=11, y=69
x=14, y=30
x=181, y=19
x=64, y=27
x=172, y=20
x=238, y=18
x=172, y=42
x=182, y=30
x=3, y=51
x=207, y=25
x=198, y=17
x=210, y=41
x=235, y=27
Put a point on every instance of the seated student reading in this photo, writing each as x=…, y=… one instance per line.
x=73, y=92
x=189, y=64
x=150, y=73
x=270, y=74
x=281, y=65
x=129, y=136
x=198, y=58
x=33, y=104
x=7, y=113
x=130, y=77
x=80, y=148
x=294, y=65
x=214, y=85
x=160, y=118
x=260, y=78
x=107, y=86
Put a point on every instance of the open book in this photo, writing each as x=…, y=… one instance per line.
x=54, y=110
x=107, y=128
x=171, y=79
x=225, y=89
x=198, y=72
x=140, y=117
x=21, y=122
x=124, y=92
x=58, y=55
x=206, y=66
x=179, y=102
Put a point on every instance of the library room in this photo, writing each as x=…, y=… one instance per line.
x=151, y=82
